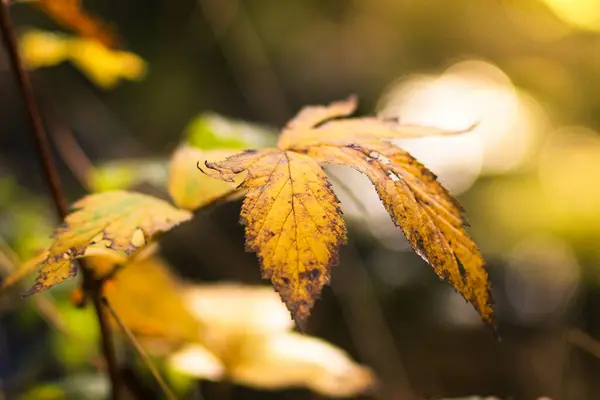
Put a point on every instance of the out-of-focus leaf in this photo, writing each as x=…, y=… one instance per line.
x=296, y=360
x=248, y=329
x=103, y=66
x=124, y=174
x=70, y=14
x=120, y=221
x=230, y=307
x=211, y=131
x=189, y=188
x=195, y=360
x=43, y=49
x=148, y=300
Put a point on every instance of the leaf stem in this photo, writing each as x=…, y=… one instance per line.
x=142, y=353
x=44, y=153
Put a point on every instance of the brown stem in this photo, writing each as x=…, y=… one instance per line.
x=44, y=153
x=142, y=353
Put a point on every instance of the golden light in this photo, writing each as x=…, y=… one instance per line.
x=584, y=14
x=569, y=170
x=509, y=122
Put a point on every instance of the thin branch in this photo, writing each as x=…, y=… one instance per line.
x=72, y=154
x=368, y=328
x=584, y=341
x=142, y=353
x=44, y=153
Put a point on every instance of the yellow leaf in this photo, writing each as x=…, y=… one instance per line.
x=43, y=49
x=114, y=220
x=70, y=14
x=248, y=329
x=293, y=221
x=429, y=217
x=147, y=298
x=191, y=190
x=315, y=126
x=103, y=66
x=229, y=307
x=296, y=360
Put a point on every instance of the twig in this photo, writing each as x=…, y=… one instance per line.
x=584, y=341
x=72, y=153
x=138, y=347
x=44, y=153
x=367, y=326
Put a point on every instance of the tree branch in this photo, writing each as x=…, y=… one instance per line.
x=44, y=153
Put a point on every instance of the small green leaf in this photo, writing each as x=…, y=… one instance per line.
x=124, y=174
x=211, y=131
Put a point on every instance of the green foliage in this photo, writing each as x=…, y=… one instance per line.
x=210, y=131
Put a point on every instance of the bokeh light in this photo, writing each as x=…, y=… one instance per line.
x=509, y=121
x=583, y=14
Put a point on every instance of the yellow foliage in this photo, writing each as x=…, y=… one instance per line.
x=43, y=49
x=292, y=217
x=117, y=223
x=147, y=299
x=190, y=190
x=246, y=338
x=103, y=66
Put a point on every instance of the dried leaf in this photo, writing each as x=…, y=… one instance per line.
x=191, y=190
x=121, y=221
x=430, y=219
x=70, y=14
x=293, y=219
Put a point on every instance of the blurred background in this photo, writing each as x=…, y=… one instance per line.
x=528, y=175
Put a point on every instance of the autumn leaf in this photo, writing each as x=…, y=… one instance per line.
x=70, y=14
x=190, y=190
x=292, y=217
x=104, y=66
x=133, y=294
x=293, y=221
x=248, y=330
x=118, y=222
